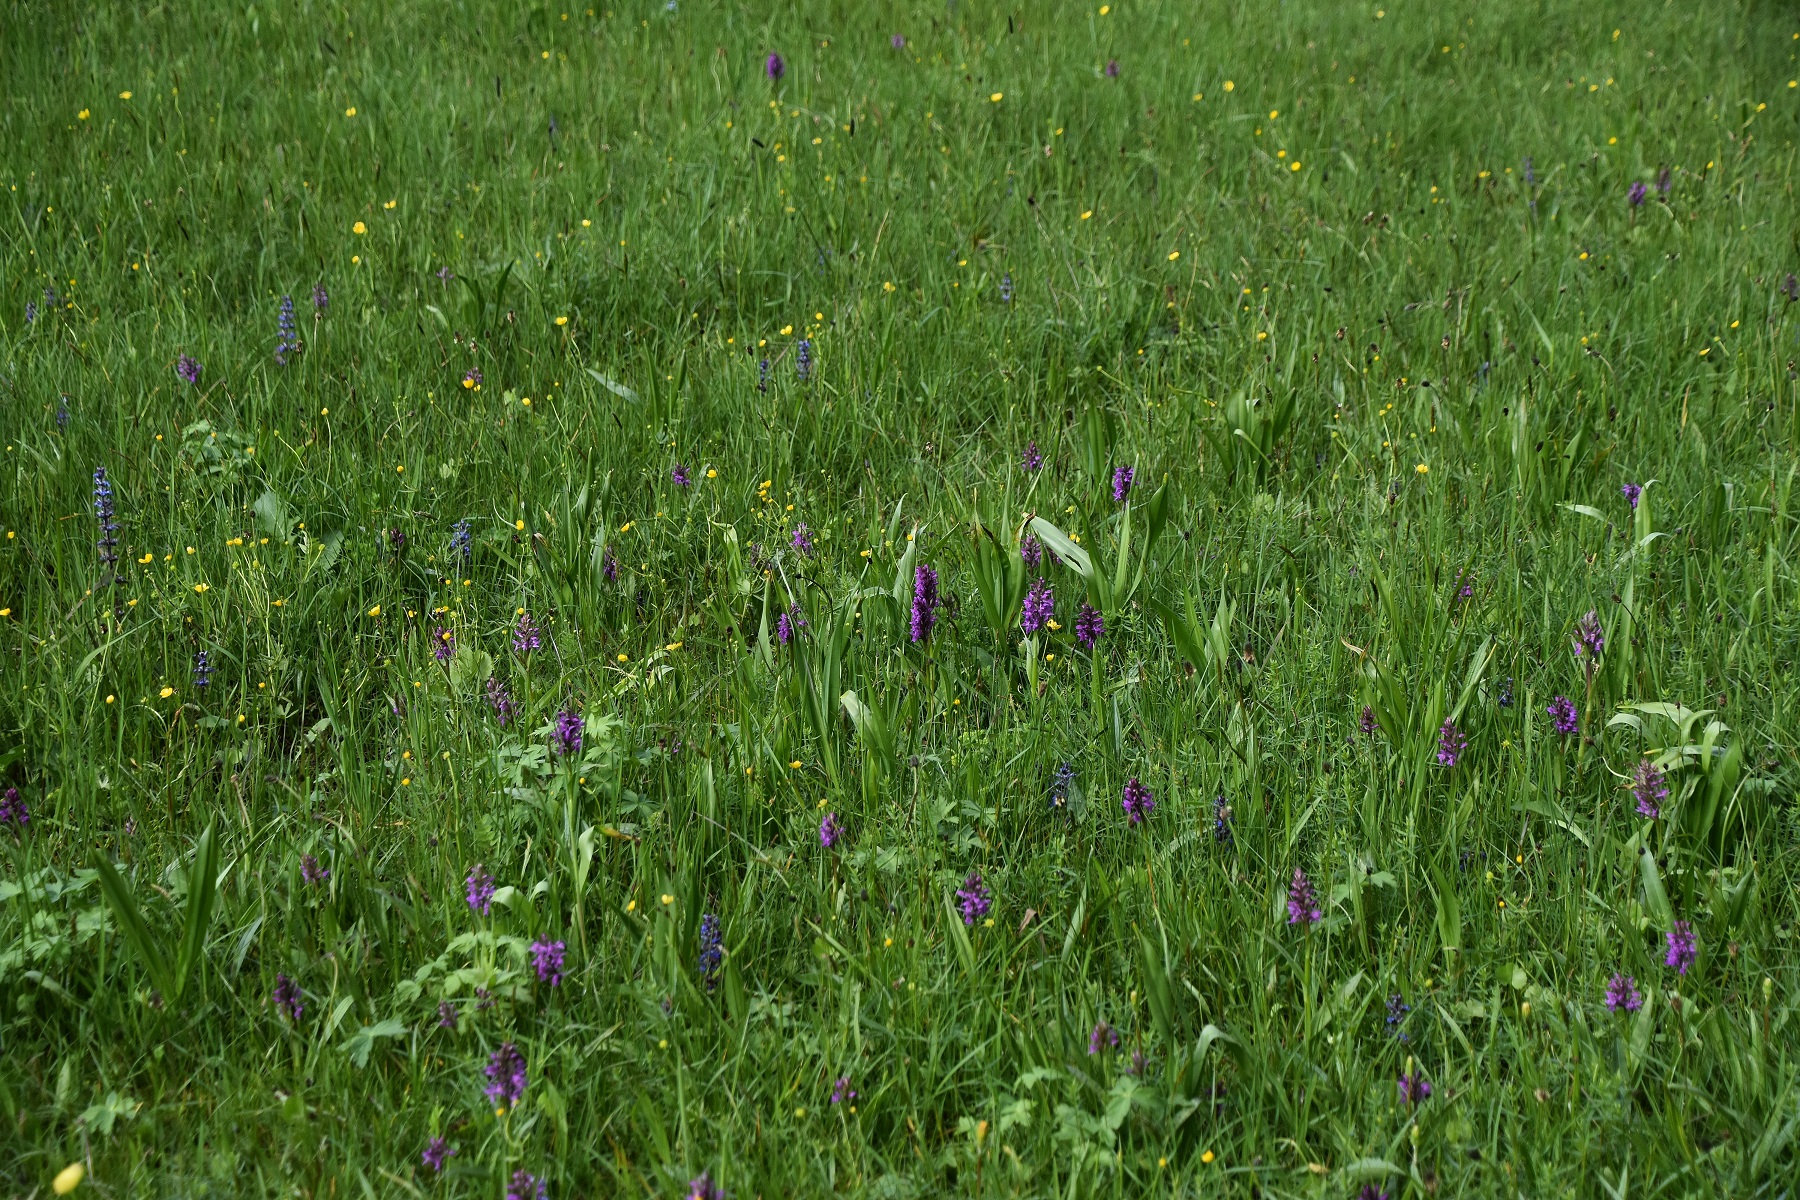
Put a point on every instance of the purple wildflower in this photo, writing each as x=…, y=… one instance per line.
x=1414, y=1088
x=609, y=565
x=443, y=644
x=712, y=951
x=1634, y=195
x=773, y=67
x=1006, y=287
x=1397, y=1008
x=462, y=541
x=445, y=275
x=1622, y=992
x=898, y=41
x=831, y=831
x=312, y=872
x=13, y=810
x=1031, y=551
x=1563, y=715
x=925, y=602
x=62, y=412
x=1589, y=639
x=1137, y=801
x=30, y=311
x=1139, y=1060
x=107, y=515
x=1790, y=287
x=784, y=629
x=320, y=300
x=396, y=539
x=1505, y=698
x=525, y=1186
x=434, y=1154
x=447, y=1015
x=1682, y=947
x=803, y=360
x=1650, y=787
x=286, y=338
x=1060, y=783
x=472, y=377
x=841, y=1091
x=565, y=737
x=974, y=898
x=287, y=998
x=1122, y=477
x=1451, y=744
x=202, y=669
x=501, y=701
x=1040, y=604
x=1102, y=1037
x=702, y=1187
x=525, y=634
x=480, y=889
x=1303, y=901
x=1112, y=68
x=679, y=476
x=507, y=1078
x=188, y=370
x=1631, y=492
x=1664, y=181
x=1366, y=722
x=1089, y=625
x=1034, y=458
x=802, y=539
x=762, y=376
x=547, y=959
x=1371, y=1192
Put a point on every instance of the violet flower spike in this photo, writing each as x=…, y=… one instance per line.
x=287, y=998
x=443, y=644
x=479, y=890
x=1590, y=639
x=547, y=960
x=712, y=951
x=1033, y=460
x=1038, y=607
x=702, y=1187
x=14, y=811
x=566, y=736
x=507, y=1077
x=1564, y=716
x=501, y=701
x=1303, y=900
x=312, y=873
x=1102, y=1037
x=802, y=540
x=1631, y=492
x=1090, y=626
x=1649, y=787
x=774, y=67
x=447, y=1016
x=1415, y=1089
x=925, y=602
x=841, y=1091
x=1622, y=993
x=1121, y=487
x=1137, y=801
x=974, y=898
x=1451, y=744
x=525, y=637
x=187, y=370
x=1683, y=948
x=831, y=831
x=679, y=477
x=434, y=1154
x=1634, y=195
x=1031, y=551
x=525, y=1186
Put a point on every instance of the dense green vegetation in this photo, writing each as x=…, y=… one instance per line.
x=521, y=599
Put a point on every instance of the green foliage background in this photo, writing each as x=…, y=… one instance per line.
x=1359, y=291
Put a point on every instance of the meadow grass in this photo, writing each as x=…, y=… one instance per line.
x=638, y=497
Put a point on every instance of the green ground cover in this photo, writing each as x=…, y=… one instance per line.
x=1077, y=600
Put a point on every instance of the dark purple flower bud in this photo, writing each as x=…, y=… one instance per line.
x=1031, y=551
x=447, y=1015
x=480, y=885
x=1415, y=1089
x=1371, y=1192
x=1622, y=992
x=1650, y=787
x=712, y=951
x=1397, y=1008
x=831, y=831
x=1634, y=195
x=679, y=476
x=925, y=602
x=1682, y=947
x=1060, y=783
x=841, y=1091
x=974, y=898
x=30, y=311
x=507, y=1077
x=773, y=67
x=1034, y=458
x=1589, y=638
x=803, y=360
x=1790, y=287
x=802, y=539
x=1006, y=288
x=609, y=565
x=1122, y=477
x=1112, y=68
x=1505, y=699
x=443, y=644
x=1303, y=901
x=1102, y=1037
x=1137, y=801
x=14, y=811
x=1090, y=626
x=525, y=634
x=762, y=376
x=1221, y=820
x=525, y=1186
x=702, y=1187
x=1631, y=492
x=547, y=960
x=396, y=539
x=445, y=275
x=320, y=300
x=462, y=541
x=202, y=669
x=566, y=736
x=1664, y=181
x=287, y=998
x=1039, y=605
x=312, y=872
x=1563, y=715
x=1451, y=744
x=1366, y=723
x=898, y=41
x=187, y=370
x=434, y=1154
x=501, y=701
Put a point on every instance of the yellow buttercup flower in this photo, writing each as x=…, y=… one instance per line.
x=359, y=229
